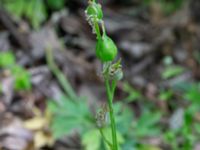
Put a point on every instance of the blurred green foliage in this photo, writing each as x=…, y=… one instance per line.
x=36, y=11
x=33, y=10
x=73, y=115
x=56, y=4
x=7, y=59
x=22, y=78
x=165, y=95
x=167, y=6
x=171, y=71
x=133, y=94
x=69, y=114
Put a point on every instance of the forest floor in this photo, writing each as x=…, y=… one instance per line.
x=161, y=63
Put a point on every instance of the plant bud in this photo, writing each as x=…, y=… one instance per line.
x=94, y=9
x=106, y=49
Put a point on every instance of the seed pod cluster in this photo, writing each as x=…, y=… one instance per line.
x=106, y=49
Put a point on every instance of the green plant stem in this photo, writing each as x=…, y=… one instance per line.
x=59, y=75
x=110, y=93
x=97, y=29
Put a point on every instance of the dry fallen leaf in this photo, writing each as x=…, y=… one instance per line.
x=36, y=123
x=39, y=124
x=41, y=139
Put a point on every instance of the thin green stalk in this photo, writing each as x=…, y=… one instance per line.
x=97, y=30
x=59, y=75
x=110, y=94
x=113, y=86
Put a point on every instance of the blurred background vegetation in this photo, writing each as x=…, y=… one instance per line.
x=51, y=88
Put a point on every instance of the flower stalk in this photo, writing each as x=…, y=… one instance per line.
x=110, y=94
x=106, y=51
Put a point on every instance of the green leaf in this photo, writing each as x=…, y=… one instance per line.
x=182, y=86
x=149, y=118
x=63, y=126
x=69, y=115
x=133, y=94
x=91, y=140
x=169, y=136
x=130, y=144
x=108, y=134
x=22, y=78
x=15, y=7
x=33, y=10
x=171, y=6
x=146, y=125
x=165, y=95
x=7, y=59
x=124, y=117
x=193, y=94
x=172, y=71
x=197, y=127
x=52, y=106
x=148, y=147
x=56, y=4
x=36, y=12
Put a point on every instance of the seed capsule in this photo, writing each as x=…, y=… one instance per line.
x=106, y=49
x=94, y=9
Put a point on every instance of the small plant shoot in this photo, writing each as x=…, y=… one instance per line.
x=106, y=52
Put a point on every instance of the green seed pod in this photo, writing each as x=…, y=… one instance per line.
x=106, y=49
x=94, y=9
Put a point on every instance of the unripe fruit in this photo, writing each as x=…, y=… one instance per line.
x=94, y=9
x=106, y=49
